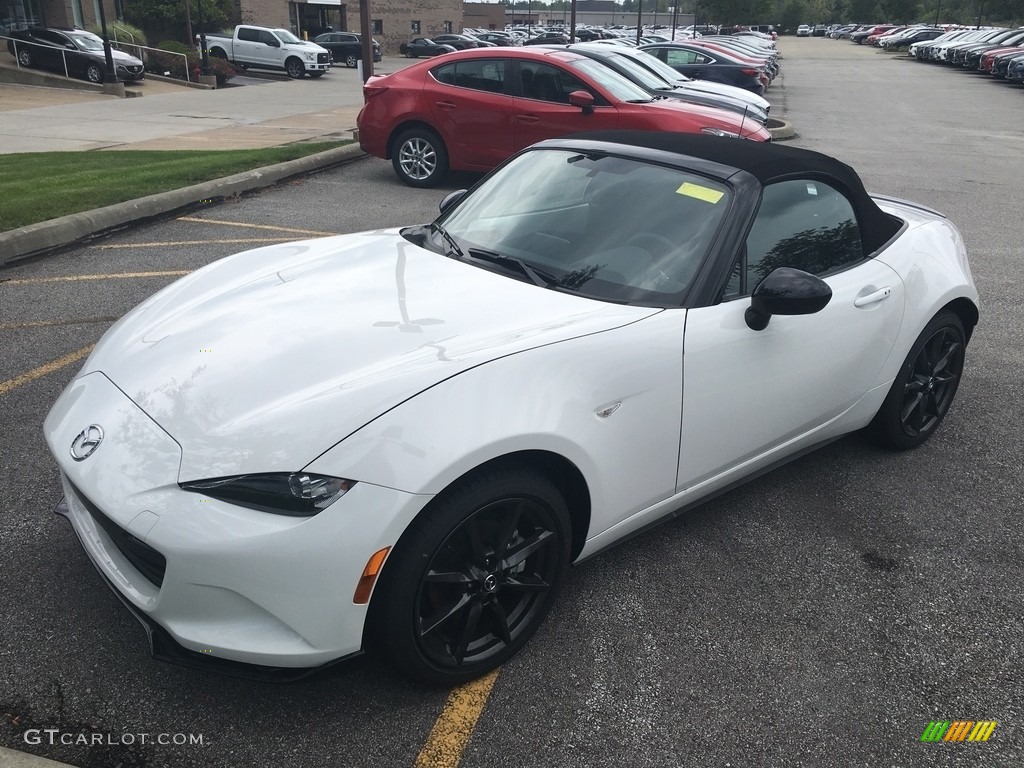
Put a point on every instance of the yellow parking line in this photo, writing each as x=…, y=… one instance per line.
x=168, y=243
x=312, y=232
x=76, y=278
x=455, y=724
x=43, y=370
x=47, y=323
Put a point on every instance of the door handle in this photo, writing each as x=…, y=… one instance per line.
x=446, y=105
x=526, y=118
x=873, y=298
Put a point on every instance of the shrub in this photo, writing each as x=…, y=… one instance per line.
x=121, y=33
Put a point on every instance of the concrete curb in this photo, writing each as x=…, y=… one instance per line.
x=781, y=130
x=36, y=239
x=10, y=758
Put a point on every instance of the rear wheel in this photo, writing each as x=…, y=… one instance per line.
x=294, y=68
x=472, y=578
x=25, y=57
x=351, y=61
x=420, y=158
x=925, y=386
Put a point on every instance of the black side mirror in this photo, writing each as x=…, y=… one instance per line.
x=451, y=199
x=786, y=291
x=582, y=99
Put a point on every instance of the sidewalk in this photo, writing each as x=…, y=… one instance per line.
x=261, y=113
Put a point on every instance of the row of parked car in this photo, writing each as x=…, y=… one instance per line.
x=469, y=110
x=998, y=52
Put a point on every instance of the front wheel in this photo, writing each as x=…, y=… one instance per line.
x=294, y=68
x=420, y=158
x=94, y=73
x=472, y=578
x=925, y=387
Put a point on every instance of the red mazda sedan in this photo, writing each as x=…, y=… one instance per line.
x=470, y=110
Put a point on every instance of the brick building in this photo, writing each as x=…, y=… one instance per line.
x=19, y=14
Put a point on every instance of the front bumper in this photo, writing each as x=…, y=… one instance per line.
x=216, y=585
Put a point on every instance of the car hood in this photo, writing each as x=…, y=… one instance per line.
x=262, y=361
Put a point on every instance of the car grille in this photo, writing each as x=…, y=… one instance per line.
x=146, y=560
x=134, y=68
x=323, y=58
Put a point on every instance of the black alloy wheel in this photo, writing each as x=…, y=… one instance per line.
x=925, y=388
x=473, y=577
x=294, y=68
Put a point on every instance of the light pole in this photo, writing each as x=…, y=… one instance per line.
x=109, y=76
x=204, y=55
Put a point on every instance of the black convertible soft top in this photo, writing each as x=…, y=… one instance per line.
x=768, y=163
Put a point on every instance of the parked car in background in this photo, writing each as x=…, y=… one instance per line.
x=705, y=64
x=862, y=34
x=347, y=47
x=547, y=38
x=626, y=62
x=54, y=48
x=473, y=109
x=460, y=42
x=803, y=31
x=269, y=48
x=424, y=46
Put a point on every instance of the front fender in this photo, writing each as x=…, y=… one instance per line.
x=551, y=398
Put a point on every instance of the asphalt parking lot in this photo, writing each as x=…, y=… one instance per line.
x=822, y=615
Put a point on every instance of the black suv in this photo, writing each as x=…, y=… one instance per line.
x=346, y=47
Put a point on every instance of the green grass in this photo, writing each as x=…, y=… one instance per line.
x=38, y=186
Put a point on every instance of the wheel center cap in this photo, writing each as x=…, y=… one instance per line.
x=490, y=583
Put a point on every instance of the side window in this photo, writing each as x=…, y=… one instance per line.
x=248, y=34
x=675, y=57
x=803, y=223
x=547, y=83
x=478, y=74
x=267, y=38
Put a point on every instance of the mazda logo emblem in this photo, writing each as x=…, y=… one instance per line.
x=88, y=440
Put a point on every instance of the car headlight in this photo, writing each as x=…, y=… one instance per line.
x=296, y=494
x=720, y=132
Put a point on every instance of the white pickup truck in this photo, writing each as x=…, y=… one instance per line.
x=268, y=48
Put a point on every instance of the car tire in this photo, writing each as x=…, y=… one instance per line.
x=924, y=388
x=411, y=55
x=472, y=578
x=25, y=57
x=94, y=73
x=420, y=158
x=294, y=68
x=351, y=61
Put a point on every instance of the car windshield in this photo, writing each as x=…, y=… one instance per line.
x=87, y=42
x=287, y=37
x=614, y=83
x=593, y=224
x=654, y=64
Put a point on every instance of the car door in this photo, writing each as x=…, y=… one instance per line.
x=52, y=50
x=247, y=47
x=471, y=106
x=751, y=397
x=542, y=109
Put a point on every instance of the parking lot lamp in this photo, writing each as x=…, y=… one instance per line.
x=204, y=54
x=109, y=76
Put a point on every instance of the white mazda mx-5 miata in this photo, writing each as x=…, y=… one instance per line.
x=396, y=441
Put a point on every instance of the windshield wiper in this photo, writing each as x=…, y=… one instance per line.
x=544, y=281
x=453, y=247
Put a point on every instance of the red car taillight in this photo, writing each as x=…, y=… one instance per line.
x=751, y=72
x=371, y=89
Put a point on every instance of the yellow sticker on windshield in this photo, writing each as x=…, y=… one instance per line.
x=706, y=194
